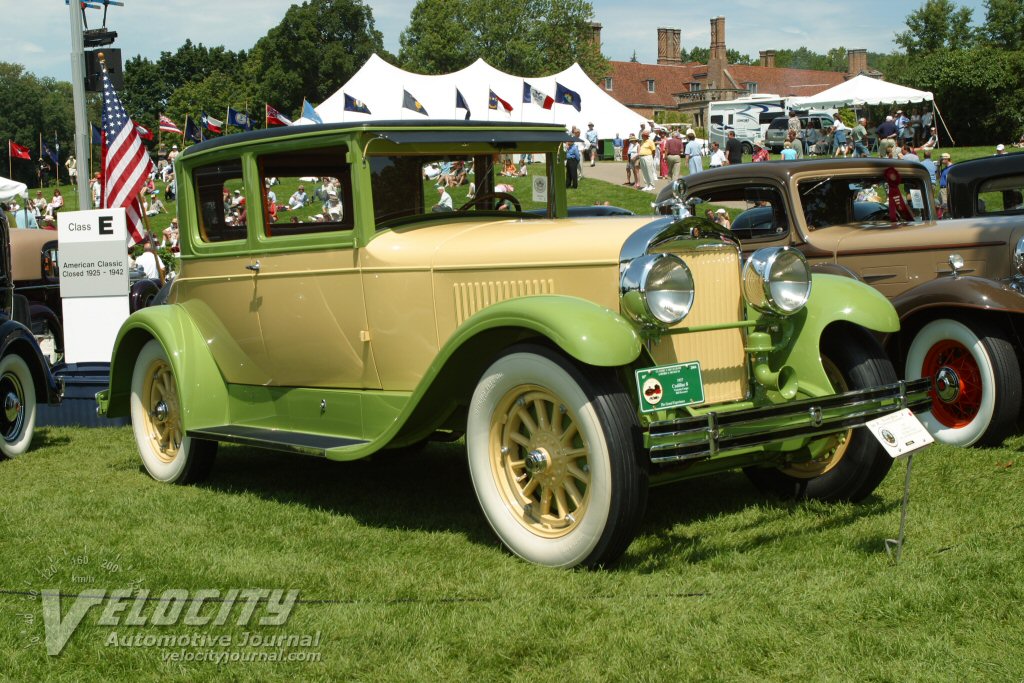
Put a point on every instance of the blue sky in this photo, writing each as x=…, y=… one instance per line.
x=37, y=32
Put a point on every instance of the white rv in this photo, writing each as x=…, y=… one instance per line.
x=748, y=116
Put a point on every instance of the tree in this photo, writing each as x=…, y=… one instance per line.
x=803, y=58
x=522, y=37
x=1004, y=24
x=937, y=24
x=702, y=54
x=315, y=49
x=30, y=107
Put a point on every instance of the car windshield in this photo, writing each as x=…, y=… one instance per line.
x=423, y=186
x=863, y=200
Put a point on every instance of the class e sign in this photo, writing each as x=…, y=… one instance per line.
x=93, y=253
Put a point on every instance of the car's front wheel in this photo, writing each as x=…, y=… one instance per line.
x=18, y=411
x=854, y=463
x=554, y=459
x=976, y=382
x=166, y=452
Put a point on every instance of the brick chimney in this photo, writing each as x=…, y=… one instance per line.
x=668, y=46
x=856, y=61
x=595, y=34
x=768, y=58
x=717, y=61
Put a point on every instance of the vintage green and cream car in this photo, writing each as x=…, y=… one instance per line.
x=348, y=288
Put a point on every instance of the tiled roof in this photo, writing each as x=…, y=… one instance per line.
x=629, y=81
x=785, y=82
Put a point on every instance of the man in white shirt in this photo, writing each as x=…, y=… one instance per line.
x=444, y=201
x=150, y=263
x=717, y=156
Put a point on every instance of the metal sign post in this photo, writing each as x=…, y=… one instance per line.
x=894, y=546
x=82, y=132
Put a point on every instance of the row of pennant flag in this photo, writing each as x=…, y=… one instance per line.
x=563, y=95
x=194, y=130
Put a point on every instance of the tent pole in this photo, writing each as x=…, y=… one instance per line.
x=935, y=107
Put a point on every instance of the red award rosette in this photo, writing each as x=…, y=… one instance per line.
x=898, y=209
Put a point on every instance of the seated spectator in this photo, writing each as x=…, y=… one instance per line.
x=56, y=204
x=444, y=201
x=334, y=211
x=931, y=142
x=298, y=199
x=170, y=236
x=171, y=191
x=156, y=207
x=509, y=169
x=39, y=205
x=788, y=153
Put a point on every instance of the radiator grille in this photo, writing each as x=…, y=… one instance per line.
x=716, y=274
x=470, y=297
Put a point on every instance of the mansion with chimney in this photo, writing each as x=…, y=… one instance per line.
x=687, y=88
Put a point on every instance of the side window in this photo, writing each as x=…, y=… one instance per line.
x=752, y=212
x=412, y=186
x=222, y=209
x=1001, y=195
x=306, y=192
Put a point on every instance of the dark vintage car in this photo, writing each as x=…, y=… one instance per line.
x=990, y=186
x=25, y=377
x=956, y=284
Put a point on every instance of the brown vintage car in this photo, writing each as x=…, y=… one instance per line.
x=36, y=277
x=956, y=284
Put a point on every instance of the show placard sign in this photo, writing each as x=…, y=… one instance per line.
x=93, y=281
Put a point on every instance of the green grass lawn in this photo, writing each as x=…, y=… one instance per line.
x=401, y=576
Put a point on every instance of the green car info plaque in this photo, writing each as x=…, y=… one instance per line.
x=669, y=386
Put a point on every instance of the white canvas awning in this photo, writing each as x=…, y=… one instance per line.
x=380, y=87
x=11, y=188
x=863, y=90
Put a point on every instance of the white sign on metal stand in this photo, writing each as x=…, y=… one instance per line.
x=93, y=281
x=901, y=435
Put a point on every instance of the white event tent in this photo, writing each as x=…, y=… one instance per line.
x=863, y=90
x=381, y=86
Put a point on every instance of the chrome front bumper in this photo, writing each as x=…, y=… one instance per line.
x=706, y=436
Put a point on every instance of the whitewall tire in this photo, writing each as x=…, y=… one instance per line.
x=976, y=382
x=17, y=406
x=167, y=454
x=554, y=460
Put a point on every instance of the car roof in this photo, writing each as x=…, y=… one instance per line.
x=784, y=170
x=986, y=167
x=499, y=132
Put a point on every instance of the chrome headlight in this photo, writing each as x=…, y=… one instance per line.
x=656, y=289
x=678, y=188
x=777, y=280
x=1018, y=256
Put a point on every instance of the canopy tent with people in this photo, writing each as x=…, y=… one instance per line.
x=478, y=92
x=865, y=91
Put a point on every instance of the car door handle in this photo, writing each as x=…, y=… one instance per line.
x=254, y=267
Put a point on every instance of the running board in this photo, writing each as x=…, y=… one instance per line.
x=275, y=439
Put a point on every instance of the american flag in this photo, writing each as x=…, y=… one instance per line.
x=126, y=163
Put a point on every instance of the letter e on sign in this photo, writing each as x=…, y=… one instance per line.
x=106, y=225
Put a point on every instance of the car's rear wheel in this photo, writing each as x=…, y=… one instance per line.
x=854, y=463
x=976, y=382
x=18, y=408
x=554, y=459
x=167, y=454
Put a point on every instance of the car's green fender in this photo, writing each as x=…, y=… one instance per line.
x=833, y=299
x=590, y=333
x=203, y=395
